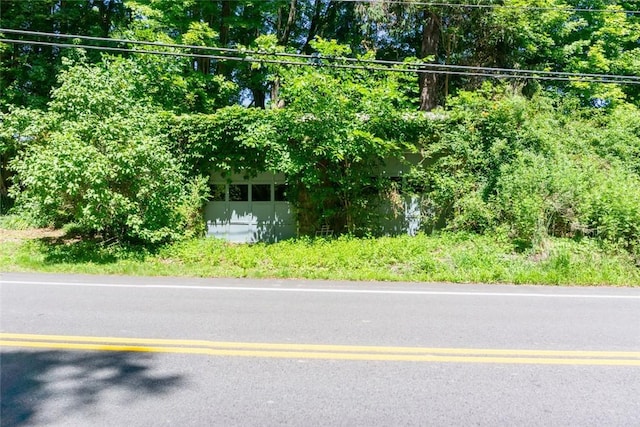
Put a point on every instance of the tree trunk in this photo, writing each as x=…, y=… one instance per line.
x=204, y=65
x=446, y=61
x=313, y=28
x=224, y=22
x=276, y=102
x=429, y=46
x=4, y=175
x=105, y=10
x=291, y=19
x=329, y=24
x=225, y=14
x=259, y=98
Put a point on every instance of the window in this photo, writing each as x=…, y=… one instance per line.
x=280, y=192
x=217, y=192
x=261, y=192
x=239, y=193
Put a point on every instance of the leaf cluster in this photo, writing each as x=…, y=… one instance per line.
x=98, y=159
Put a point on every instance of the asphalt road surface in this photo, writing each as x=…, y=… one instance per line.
x=123, y=351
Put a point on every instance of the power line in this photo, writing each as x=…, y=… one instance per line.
x=116, y=40
x=602, y=79
x=424, y=67
x=491, y=6
x=482, y=6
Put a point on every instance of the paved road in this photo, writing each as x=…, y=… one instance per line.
x=79, y=350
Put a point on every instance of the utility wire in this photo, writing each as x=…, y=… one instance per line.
x=481, y=6
x=424, y=65
x=491, y=6
x=250, y=59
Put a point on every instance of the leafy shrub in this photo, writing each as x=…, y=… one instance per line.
x=127, y=188
x=570, y=197
x=232, y=139
x=537, y=196
x=535, y=169
x=101, y=162
x=612, y=207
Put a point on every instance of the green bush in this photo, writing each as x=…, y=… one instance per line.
x=100, y=160
x=534, y=169
x=537, y=196
x=570, y=197
x=612, y=207
x=128, y=188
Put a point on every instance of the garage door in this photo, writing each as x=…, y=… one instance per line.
x=245, y=212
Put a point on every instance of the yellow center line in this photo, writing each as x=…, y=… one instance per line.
x=312, y=351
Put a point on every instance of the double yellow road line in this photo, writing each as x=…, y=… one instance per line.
x=326, y=352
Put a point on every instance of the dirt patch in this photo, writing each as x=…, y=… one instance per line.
x=32, y=233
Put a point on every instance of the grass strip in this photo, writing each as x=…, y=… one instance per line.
x=446, y=257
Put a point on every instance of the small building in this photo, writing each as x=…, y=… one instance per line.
x=249, y=210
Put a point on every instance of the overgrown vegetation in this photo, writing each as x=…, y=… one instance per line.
x=492, y=162
x=505, y=162
x=121, y=146
x=97, y=159
x=445, y=257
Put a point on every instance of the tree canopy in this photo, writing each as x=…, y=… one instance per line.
x=114, y=113
x=594, y=37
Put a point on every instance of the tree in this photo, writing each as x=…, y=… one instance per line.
x=393, y=26
x=602, y=41
x=328, y=126
x=101, y=161
x=28, y=72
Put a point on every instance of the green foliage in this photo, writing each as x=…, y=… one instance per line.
x=154, y=81
x=124, y=145
x=125, y=187
x=550, y=38
x=190, y=209
x=15, y=127
x=330, y=127
x=336, y=130
x=481, y=131
x=537, y=197
x=99, y=160
x=616, y=136
x=452, y=257
x=533, y=169
x=15, y=222
x=573, y=192
x=612, y=208
x=234, y=139
x=27, y=73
